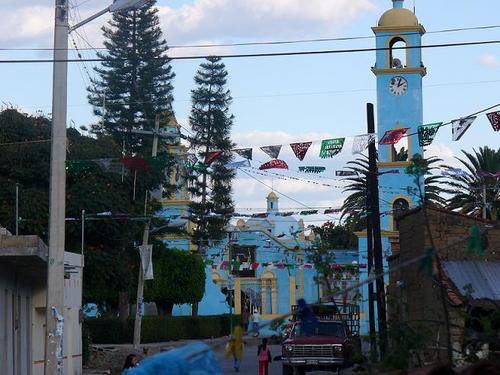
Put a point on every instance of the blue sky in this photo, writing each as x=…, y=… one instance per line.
x=284, y=99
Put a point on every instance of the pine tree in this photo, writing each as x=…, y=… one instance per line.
x=211, y=122
x=134, y=82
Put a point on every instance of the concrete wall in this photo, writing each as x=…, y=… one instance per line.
x=15, y=323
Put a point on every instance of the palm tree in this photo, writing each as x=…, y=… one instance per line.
x=468, y=188
x=355, y=204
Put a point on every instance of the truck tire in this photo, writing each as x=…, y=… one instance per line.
x=287, y=370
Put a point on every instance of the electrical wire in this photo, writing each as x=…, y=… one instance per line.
x=272, y=42
x=270, y=54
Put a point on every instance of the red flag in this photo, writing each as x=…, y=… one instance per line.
x=274, y=164
x=300, y=149
x=211, y=156
x=393, y=136
x=255, y=265
x=223, y=265
x=134, y=164
x=494, y=118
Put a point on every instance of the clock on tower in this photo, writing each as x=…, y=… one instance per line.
x=399, y=71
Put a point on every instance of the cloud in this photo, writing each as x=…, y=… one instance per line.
x=489, y=60
x=442, y=151
x=26, y=23
x=30, y=22
x=253, y=19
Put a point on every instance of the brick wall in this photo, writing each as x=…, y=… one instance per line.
x=416, y=295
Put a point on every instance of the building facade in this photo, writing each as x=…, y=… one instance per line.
x=263, y=259
x=399, y=71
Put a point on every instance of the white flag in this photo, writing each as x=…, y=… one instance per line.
x=460, y=126
x=361, y=142
x=146, y=260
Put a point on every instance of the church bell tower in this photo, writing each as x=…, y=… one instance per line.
x=399, y=70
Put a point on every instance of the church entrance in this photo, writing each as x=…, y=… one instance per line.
x=251, y=296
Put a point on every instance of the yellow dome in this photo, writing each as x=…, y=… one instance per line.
x=272, y=195
x=396, y=17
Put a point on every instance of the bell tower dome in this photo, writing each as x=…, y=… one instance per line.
x=272, y=202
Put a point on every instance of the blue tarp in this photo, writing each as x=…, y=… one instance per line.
x=193, y=359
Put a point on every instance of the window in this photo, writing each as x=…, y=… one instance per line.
x=399, y=151
x=243, y=255
x=399, y=207
x=397, y=53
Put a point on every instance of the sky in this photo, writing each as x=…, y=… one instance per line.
x=278, y=100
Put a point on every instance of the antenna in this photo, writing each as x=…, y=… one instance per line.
x=414, y=7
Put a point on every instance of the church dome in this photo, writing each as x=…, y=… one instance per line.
x=398, y=17
x=272, y=195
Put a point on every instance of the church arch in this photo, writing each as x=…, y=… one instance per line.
x=397, y=50
x=399, y=205
x=269, y=293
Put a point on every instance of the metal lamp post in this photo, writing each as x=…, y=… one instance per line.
x=55, y=262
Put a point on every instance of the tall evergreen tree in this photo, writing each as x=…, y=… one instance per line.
x=134, y=81
x=211, y=122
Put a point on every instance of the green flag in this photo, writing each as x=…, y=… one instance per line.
x=475, y=243
x=331, y=147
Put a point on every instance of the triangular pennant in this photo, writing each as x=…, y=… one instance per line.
x=211, y=156
x=393, y=136
x=244, y=152
x=494, y=118
x=239, y=164
x=426, y=133
x=312, y=169
x=331, y=147
x=460, y=126
x=272, y=151
x=274, y=164
x=361, y=142
x=345, y=173
x=300, y=149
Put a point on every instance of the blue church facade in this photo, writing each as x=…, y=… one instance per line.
x=399, y=72
x=263, y=259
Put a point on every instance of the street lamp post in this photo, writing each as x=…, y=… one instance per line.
x=57, y=205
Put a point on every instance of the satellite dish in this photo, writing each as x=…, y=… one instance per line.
x=396, y=63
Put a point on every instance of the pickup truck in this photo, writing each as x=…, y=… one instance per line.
x=328, y=346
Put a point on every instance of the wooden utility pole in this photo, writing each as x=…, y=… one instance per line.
x=145, y=239
x=374, y=216
x=371, y=302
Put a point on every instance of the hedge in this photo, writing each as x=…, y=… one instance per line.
x=111, y=330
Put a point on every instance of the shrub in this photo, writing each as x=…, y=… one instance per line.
x=159, y=328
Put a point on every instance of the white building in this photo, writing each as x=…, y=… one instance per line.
x=23, y=280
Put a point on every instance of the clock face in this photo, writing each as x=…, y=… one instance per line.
x=398, y=86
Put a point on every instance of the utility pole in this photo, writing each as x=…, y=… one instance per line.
x=371, y=302
x=55, y=262
x=485, y=202
x=145, y=239
x=374, y=214
x=17, y=209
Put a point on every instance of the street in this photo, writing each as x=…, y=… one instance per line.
x=249, y=364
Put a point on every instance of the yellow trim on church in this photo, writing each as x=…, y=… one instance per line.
x=174, y=202
x=422, y=70
x=390, y=29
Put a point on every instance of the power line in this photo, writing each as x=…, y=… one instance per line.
x=272, y=42
x=271, y=54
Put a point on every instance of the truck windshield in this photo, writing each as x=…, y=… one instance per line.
x=335, y=329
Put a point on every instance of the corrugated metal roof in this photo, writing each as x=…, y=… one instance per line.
x=484, y=277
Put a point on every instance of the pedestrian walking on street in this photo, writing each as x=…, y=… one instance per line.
x=255, y=322
x=234, y=347
x=265, y=358
x=245, y=316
